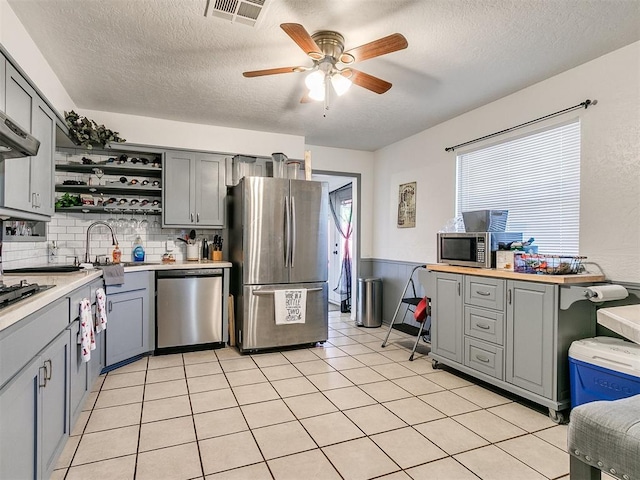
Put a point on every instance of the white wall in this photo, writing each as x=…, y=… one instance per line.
x=351, y=161
x=610, y=164
x=192, y=136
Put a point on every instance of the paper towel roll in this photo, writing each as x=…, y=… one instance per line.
x=604, y=293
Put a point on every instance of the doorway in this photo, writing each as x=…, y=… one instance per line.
x=343, y=234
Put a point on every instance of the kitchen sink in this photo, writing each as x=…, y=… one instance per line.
x=138, y=264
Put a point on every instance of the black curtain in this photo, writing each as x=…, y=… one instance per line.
x=342, y=221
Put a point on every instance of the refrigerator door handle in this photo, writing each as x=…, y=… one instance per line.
x=287, y=230
x=271, y=292
x=292, y=249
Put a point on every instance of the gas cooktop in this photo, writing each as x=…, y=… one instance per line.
x=10, y=294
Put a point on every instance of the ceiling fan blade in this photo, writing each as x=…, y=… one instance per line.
x=375, y=84
x=306, y=98
x=382, y=46
x=299, y=35
x=272, y=71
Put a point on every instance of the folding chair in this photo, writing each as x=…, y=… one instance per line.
x=410, y=302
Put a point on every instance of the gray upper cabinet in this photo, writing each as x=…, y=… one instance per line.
x=447, y=332
x=27, y=183
x=194, y=190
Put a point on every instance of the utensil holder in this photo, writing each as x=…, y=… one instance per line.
x=193, y=252
x=216, y=255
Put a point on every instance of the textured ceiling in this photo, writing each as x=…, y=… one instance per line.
x=163, y=58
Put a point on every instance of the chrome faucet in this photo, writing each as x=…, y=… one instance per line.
x=87, y=257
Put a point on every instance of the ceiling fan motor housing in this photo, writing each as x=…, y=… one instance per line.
x=331, y=45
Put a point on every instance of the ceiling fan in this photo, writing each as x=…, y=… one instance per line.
x=331, y=63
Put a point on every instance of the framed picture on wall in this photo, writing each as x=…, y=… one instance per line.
x=407, y=205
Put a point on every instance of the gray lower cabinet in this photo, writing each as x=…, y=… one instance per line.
x=531, y=321
x=447, y=334
x=82, y=374
x=129, y=312
x=26, y=185
x=512, y=334
x=3, y=85
x=79, y=379
x=34, y=415
x=194, y=190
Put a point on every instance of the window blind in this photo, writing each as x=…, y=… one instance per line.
x=536, y=178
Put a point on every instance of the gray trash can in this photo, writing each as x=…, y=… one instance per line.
x=369, y=313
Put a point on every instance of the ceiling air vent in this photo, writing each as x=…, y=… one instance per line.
x=236, y=11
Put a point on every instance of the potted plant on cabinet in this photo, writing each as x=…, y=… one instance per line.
x=87, y=133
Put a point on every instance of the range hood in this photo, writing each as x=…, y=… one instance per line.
x=14, y=141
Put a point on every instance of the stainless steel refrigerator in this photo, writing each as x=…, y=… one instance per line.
x=278, y=241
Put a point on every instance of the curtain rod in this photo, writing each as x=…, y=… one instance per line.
x=584, y=104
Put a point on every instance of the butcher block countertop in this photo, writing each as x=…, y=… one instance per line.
x=509, y=275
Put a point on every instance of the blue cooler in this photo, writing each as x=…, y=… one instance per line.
x=603, y=368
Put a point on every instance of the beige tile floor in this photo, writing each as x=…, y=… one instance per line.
x=347, y=409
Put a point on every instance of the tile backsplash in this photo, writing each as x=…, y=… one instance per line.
x=69, y=231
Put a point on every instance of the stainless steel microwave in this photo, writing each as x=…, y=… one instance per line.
x=472, y=249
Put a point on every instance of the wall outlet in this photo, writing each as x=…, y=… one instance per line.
x=170, y=245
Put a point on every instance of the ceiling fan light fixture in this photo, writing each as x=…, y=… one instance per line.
x=340, y=83
x=315, y=80
x=317, y=93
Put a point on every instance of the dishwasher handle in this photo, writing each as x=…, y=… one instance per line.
x=197, y=272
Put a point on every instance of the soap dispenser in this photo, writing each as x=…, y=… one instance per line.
x=138, y=250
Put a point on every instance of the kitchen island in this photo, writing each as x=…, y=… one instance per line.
x=511, y=330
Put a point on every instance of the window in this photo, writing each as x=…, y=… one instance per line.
x=536, y=178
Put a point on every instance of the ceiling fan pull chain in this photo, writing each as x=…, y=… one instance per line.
x=326, y=96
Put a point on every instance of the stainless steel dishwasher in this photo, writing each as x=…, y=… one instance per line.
x=189, y=308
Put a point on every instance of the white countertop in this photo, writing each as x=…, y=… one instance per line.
x=64, y=283
x=67, y=282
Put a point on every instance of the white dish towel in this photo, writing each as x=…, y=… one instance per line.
x=101, y=310
x=290, y=306
x=86, y=339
